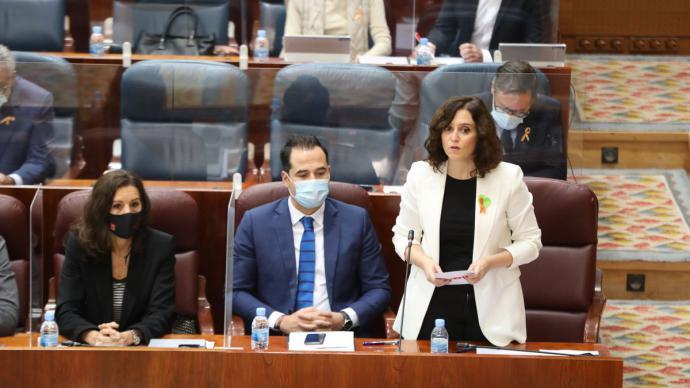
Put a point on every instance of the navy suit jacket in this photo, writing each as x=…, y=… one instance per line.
x=24, y=142
x=265, y=273
x=518, y=21
x=541, y=152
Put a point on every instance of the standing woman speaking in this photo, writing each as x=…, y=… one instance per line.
x=117, y=286
x=469, y=211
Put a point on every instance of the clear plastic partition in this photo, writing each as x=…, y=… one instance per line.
x=36, y=278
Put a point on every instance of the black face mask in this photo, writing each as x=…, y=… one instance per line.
x=124, y=225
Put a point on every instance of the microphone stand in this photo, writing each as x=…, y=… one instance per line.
x=410, y=238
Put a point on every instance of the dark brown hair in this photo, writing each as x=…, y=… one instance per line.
x=305, y=142
x=91, y=229
x=487, y=153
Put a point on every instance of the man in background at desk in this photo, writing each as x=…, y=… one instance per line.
x=314, y=263
x=470, y=28
x=26, y=114
x=528, y=124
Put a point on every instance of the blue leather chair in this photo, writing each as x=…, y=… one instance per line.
x=32, y=25
x=184, y=120
x=272, y=19
x=131, y=18
x=57, y=76
x=349, y=116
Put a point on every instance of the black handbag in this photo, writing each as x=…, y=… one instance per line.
x=167, y=44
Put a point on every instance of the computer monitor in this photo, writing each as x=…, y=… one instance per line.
x=317, y=48
x=537, y=54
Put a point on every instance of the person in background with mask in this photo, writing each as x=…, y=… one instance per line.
x=117, y=286
x=528, y=124
x=26, y=127
x=314, y=263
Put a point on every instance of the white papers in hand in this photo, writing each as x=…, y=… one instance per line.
x=455, y=277
x=338, y=341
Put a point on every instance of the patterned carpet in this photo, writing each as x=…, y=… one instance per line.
x=643, y=214
x=653, y=338
x=632, y=90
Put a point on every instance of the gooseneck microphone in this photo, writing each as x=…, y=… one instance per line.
x=408, y=252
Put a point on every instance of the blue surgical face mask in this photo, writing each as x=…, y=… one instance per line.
x=311, y=193
x=3, y=100
x=505, y=120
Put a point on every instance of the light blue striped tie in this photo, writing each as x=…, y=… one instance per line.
x=307, y=265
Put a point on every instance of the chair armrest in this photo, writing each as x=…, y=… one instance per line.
x=265, y=168
x=596, y=309
x=237, y=326
x=203, y=313
x=388, y=320
x=52, y=295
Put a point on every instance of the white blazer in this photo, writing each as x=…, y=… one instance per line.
x=500, y=304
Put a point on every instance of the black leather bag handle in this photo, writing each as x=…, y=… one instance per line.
x=184, y=10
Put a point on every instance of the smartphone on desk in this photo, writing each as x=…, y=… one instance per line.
x=314, y=338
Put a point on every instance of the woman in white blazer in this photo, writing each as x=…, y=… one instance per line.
x=468, y=211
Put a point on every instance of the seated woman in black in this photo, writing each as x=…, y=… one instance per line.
x=117, y=285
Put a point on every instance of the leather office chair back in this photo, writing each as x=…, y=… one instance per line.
x=184, y=120
x=264, y=193
x=272, y=19
x=57, y=76
x=131, y=18
x=173, y=212
x=562, y=297
x=14, y=228
x=32, y=25
x=353, y=124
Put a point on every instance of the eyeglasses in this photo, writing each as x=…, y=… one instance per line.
x=516, y=113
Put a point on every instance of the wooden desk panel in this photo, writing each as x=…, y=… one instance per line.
x=381, y=366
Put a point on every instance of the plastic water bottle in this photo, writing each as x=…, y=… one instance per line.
x=49, y=331
x=439, y=337
x=97, y=41
x=260, y=330
x=424, y=52
x=261, y=46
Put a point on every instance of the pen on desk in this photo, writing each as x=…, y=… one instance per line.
x=374, y=343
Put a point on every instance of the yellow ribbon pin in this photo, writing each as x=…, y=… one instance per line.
x=7, y=120
x=525, y=136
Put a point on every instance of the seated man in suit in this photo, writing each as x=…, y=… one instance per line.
x=313, y=262
x=528, y=124
x=26, y=114
x=9, y=299
x=470, y=28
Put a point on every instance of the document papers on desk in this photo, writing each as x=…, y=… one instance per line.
x=181, y=343
x=540, y=352
x=456, y=277
x=335, y=341
x=380, y=60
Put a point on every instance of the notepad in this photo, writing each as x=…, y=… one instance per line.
x=456, y=277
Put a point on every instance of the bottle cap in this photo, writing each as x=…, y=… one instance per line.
x=96, y=29
x=261, y=33
x=49, y=316
x=424, y=41
x=260, y=312
x=440, y=322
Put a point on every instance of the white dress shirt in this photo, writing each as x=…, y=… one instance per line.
x=320, y=290
x=487, y=11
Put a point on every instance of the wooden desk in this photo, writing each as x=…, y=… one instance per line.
x=368, y=366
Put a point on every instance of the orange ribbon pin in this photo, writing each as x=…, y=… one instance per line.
x=525, y=136
x=7, y=120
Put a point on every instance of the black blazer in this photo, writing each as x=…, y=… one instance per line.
x=86, y=292
x=518, y=21
x=541, y=153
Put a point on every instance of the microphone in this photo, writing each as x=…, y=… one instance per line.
x=410, y=238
